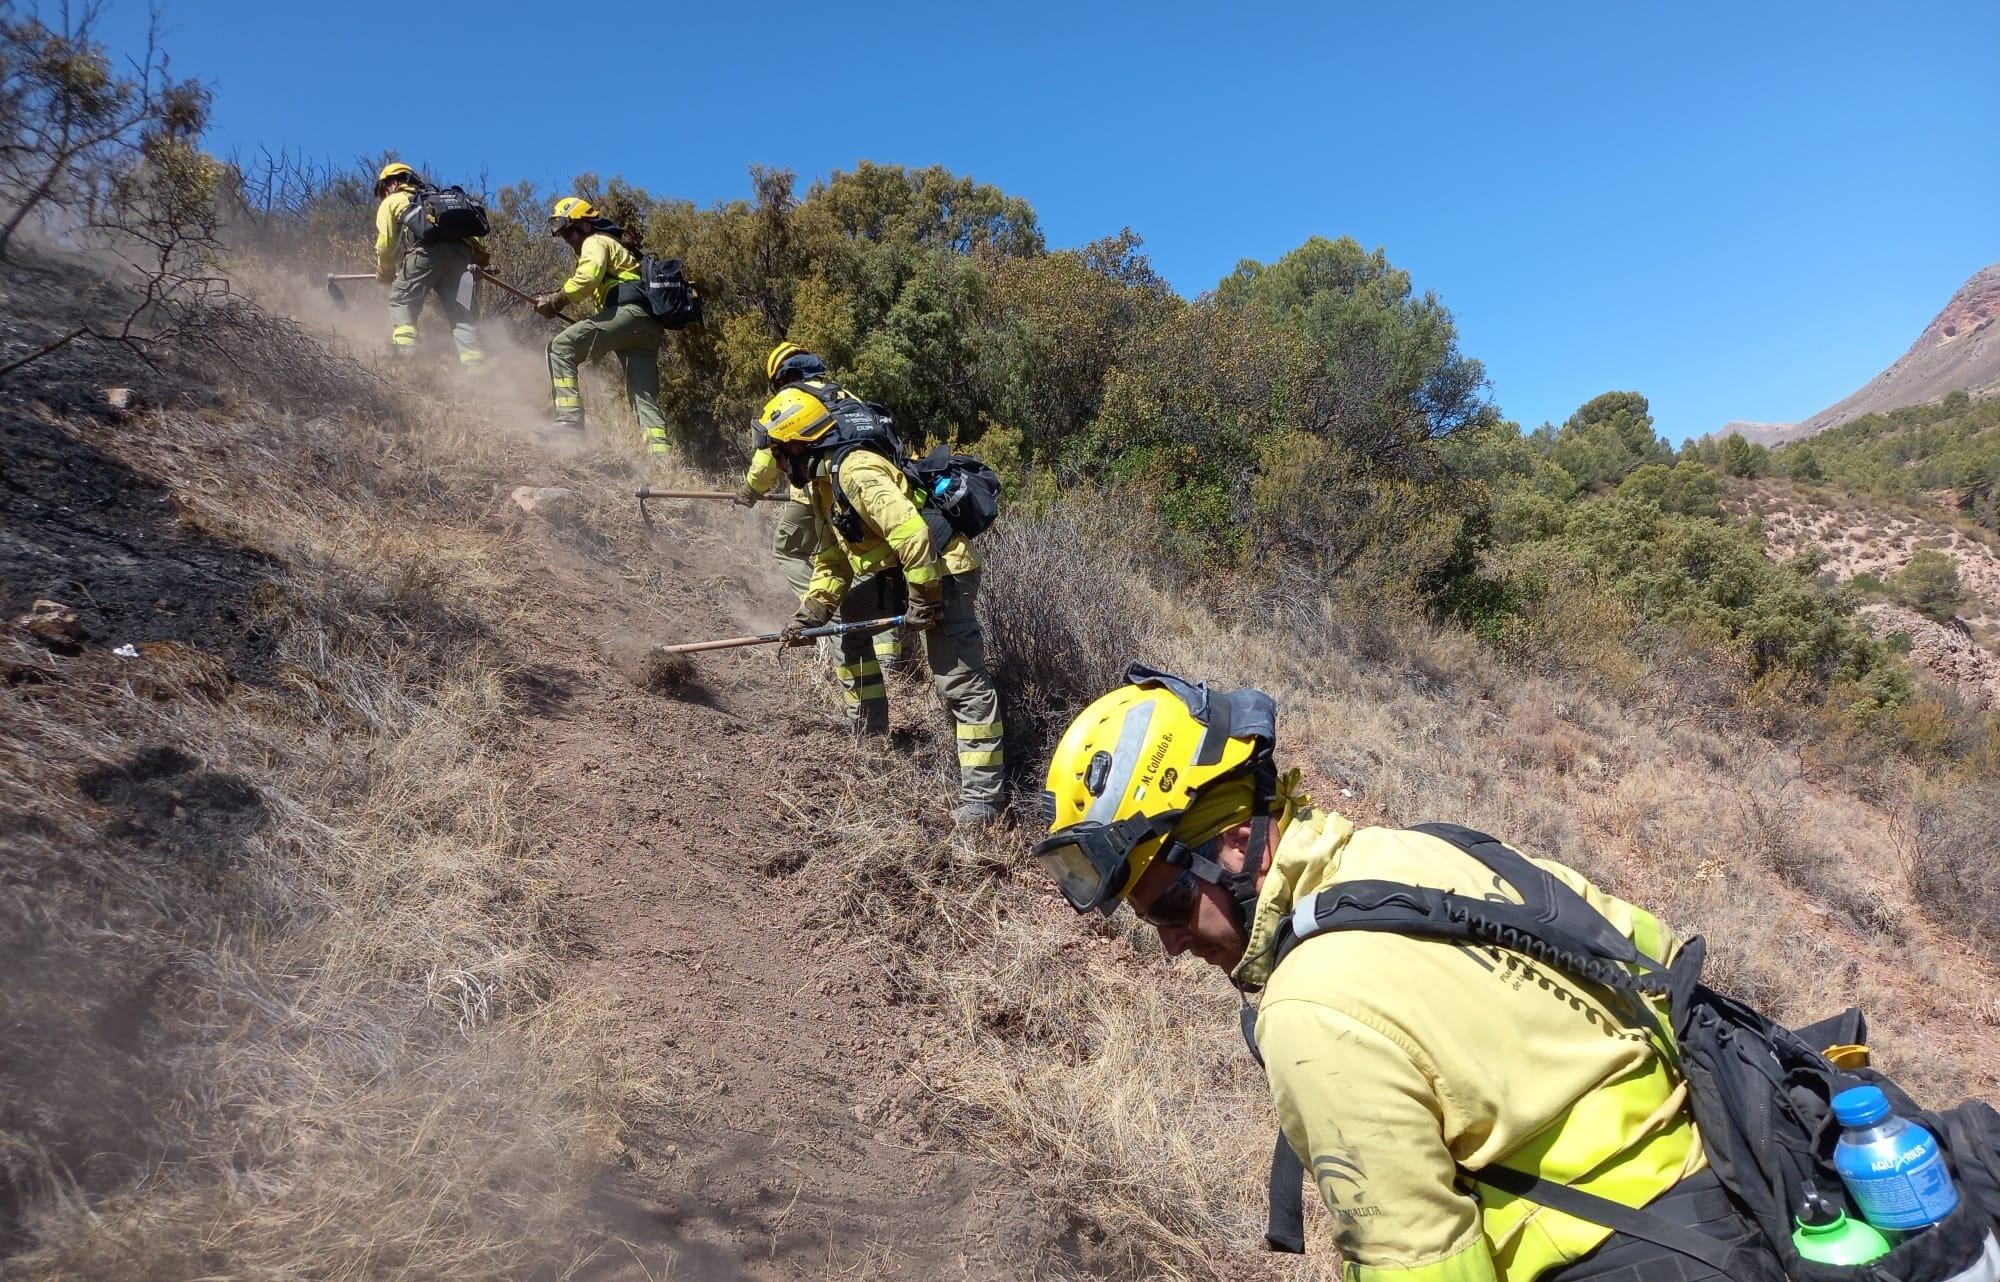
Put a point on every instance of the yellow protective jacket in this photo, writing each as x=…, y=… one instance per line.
x=600, y=265
x=389, y=229
x=389, y=238
x=1396, y=1063
x=894, y=532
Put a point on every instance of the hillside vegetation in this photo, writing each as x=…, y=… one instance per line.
x=1949, y=450
x=374, y=916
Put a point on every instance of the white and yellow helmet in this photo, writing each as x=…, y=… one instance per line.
x=1139, y=764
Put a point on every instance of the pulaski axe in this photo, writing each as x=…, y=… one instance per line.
x=333, y=280
x=516, y=291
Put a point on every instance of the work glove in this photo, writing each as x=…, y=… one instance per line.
x=545, y=305
x=813, y=613
x=386, y=278
x=747, y=496
x=481, y=256
x=922, y=616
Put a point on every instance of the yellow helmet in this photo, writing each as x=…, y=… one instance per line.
x=395, y=169
x=788, y=363
x=568, y=212
x=1139, y=768
x=795, y=415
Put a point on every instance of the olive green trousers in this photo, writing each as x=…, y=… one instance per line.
x=444, y=270
x=956, y=650
x=632, y=333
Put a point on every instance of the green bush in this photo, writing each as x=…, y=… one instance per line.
x=1929, y=585
x=1686, y=488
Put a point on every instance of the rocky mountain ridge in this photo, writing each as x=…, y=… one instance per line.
x=1958, y=351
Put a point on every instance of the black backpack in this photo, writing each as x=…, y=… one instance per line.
x=1760, y=1094
x=444, y=215
x=961, y=487
x=667, y=293
x=956, y=493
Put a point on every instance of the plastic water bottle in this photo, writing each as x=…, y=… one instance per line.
x=1826, y=1236
x=1892, y=1167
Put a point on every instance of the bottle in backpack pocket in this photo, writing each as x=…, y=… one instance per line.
x=1825, y=1235
x=1893, y=1168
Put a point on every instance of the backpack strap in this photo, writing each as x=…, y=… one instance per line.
x=1560, y=910
x=1285, y=1226
x=1553, y=925
x=1426, y=912
x=845, y=518
x=1616, y=1216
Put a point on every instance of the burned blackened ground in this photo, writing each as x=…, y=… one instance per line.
x=82, y=528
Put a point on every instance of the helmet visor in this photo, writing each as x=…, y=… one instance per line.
x=1091, y=863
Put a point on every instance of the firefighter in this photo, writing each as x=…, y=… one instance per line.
x=414, y=271
x=876, y=551
x=605, y=289
x=1415, y=1078
x=795, y=539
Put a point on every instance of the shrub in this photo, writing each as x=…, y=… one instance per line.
x=1065, y=609
x=1929, y=585
x=1686, y=488
x=1955, y=870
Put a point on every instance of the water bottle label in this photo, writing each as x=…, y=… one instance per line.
x=1898, y=1187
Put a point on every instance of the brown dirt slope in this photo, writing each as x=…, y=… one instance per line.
x=781, y=1144
x=875, y=1050
x=780, y=1133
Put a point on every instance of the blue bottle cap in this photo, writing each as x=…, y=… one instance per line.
x=1861, y=1106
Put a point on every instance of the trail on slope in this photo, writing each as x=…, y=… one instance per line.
x=780, y=1142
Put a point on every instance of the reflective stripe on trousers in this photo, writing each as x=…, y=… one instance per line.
x=632, y=333
x=862, y=682
x=874, y=596
x=956, y=650
x=446, y=271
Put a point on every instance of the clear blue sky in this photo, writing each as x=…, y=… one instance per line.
x=1741, y=210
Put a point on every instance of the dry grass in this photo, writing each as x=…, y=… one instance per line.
x=1114, y=1081
x=351, y=1062
x=1065, y=609
x=1954, y=859
x=1114, y=1084
x=286, y=936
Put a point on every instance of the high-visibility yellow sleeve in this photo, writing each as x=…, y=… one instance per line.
x=600, y=263
x=763, y=473
x=1364, y=1119
x=388, y=231
x=586, y=283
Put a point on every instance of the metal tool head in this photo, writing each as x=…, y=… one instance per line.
x=333, y=292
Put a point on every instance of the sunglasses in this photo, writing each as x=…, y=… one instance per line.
x=1173, y=907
